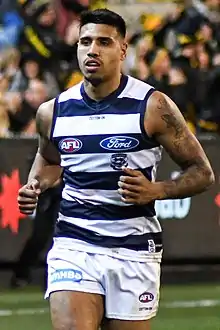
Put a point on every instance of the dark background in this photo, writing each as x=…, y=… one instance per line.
x=192, y=236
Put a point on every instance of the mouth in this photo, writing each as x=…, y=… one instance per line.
x=92, y=65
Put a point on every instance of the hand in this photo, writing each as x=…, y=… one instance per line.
x=135, y=188
x=28, y=197
x=176, y=77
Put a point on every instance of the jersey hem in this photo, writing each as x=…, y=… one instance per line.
x=118, y=253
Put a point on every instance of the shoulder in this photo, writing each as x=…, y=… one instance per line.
x=45, y=110
x=136, y=89
x=159, y=102
x=161, y=114
x=44, y=117
x=73, y=92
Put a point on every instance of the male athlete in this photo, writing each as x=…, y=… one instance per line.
x=106, y=135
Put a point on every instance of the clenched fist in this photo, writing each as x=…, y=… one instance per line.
x=135, y=188
x=28, y=197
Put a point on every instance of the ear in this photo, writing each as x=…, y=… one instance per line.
x=124, y=47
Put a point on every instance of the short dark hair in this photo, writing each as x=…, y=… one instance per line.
x=104, y=16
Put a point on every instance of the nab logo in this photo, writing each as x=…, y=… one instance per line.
x=70, y=145
x=146, y=297
x=62, y=275
x=121, y=143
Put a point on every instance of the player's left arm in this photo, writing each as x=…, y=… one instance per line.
x=165, y=123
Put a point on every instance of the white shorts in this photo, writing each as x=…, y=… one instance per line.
x=131, y=288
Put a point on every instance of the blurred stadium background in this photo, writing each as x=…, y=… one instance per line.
x=174, y=45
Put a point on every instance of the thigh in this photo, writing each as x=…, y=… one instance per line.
x=72, y=270
x=126, y=325
x=71, y=310
x=132, y=291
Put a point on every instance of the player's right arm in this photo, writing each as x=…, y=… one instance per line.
x=46, y=170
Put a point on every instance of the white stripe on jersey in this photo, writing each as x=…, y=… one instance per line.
x=117, y=228
x=71, y=93
x=82, y=125
x=141, y=89
x=93, y=196
x=102, y=162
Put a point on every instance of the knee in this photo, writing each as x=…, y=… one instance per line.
x=69, y=313
x=61, y=317
x=62, y=323
x=69, y=322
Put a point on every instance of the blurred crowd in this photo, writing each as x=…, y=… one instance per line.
x=38, y=41
x=178, y=52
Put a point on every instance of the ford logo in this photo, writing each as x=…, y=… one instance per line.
x=70, y=145
x=119, y=143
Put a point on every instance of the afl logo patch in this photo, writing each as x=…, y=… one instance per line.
x=119, y=143
x=146, y=297
x=70, y=145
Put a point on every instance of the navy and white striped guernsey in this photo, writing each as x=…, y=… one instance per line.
x=95, y=139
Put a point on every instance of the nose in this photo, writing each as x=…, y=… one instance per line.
x=93, y=50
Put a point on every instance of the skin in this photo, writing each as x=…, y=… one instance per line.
x=103, y=43
x=163, y=121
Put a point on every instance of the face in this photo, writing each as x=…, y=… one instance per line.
x=216, y=60
x=4, y=83
x=203, y=59
x=213, y=4
x=206, y=32
x=162, y=63
x=101, y=51
x=31, y=69
x=36, y=93
x=189, y=51
x=165, y=64
x=48, y=17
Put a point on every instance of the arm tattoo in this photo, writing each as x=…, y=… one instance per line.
x=173, y=123
x=186, y=152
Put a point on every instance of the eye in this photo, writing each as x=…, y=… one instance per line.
x=85, y=42
x=105, y=42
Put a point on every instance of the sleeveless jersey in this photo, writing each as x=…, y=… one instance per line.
x=95, y=139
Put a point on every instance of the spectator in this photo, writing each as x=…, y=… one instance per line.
x=32, y=69
x=179, y=89
x=4, y=84
x=22, y=110
x=13, y=71
x=11, y=27
x=178, y=54
x=210, y=115
x=4, y=120
x=140, y=68
x=41, y=39
x=159, y=63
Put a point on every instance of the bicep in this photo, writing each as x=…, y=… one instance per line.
x=46, y=148
x=171, y=131
x=48, y=151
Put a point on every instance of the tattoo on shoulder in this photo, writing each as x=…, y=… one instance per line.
x=172, y=122
x=162, y=104
x=170, y=119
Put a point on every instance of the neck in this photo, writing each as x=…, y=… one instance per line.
x=103, y=89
